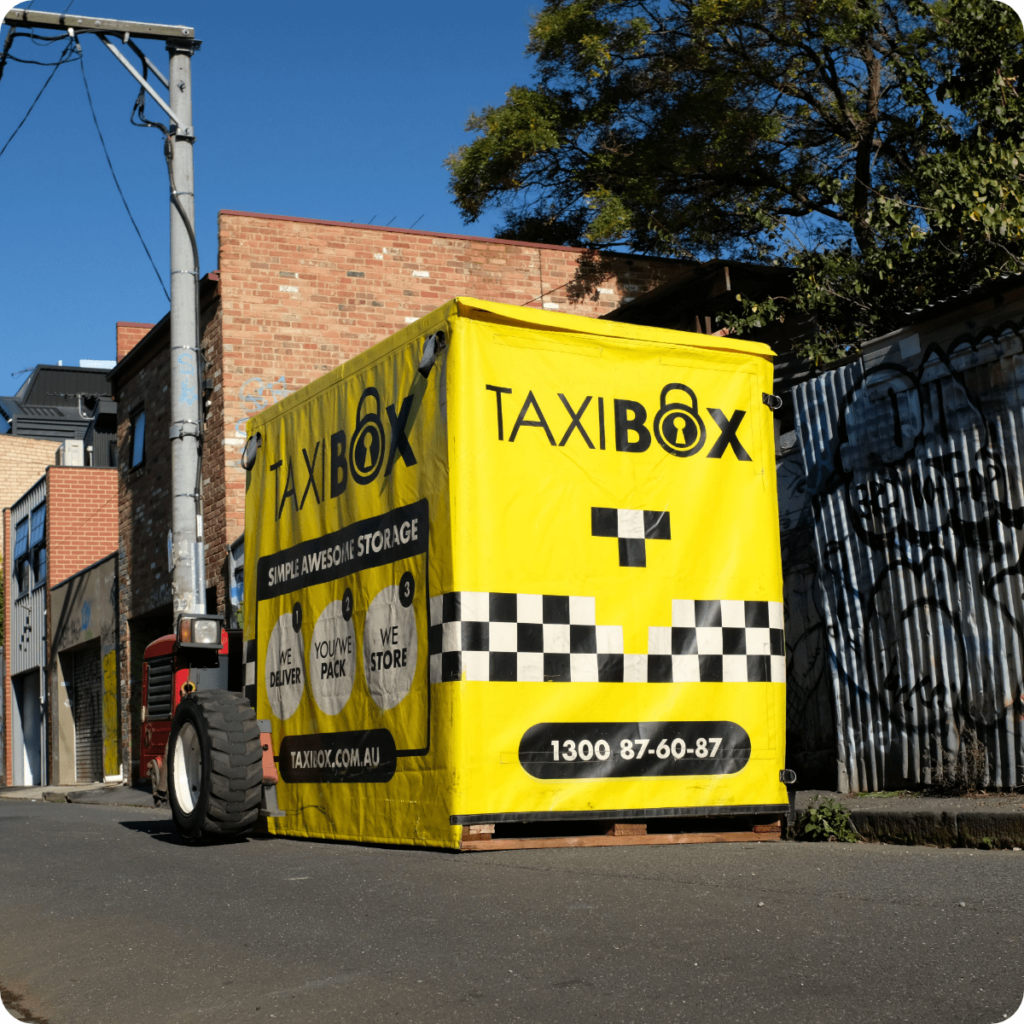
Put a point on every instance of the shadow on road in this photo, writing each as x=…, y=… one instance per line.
x=165, y=832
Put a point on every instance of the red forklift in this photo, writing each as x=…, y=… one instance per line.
x=202, y=747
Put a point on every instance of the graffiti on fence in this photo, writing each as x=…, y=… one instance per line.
x=918, y=528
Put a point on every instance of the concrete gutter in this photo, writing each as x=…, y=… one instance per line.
x=984, y=821
x=83, y=793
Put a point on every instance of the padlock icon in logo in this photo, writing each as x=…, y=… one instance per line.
x=366, y=452
x=678, y=426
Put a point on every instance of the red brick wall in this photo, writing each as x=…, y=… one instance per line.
x=128, y=336
x=308, y=294
x=81, y=519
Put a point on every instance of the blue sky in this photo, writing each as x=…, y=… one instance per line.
x=340, y=111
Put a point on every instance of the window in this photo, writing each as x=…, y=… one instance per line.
x=37, y=543
x=39, y=565
x=112, y=454
x=38, y=535
x=23, y=576
x=21, y=538
x=137, y=439
x=29, y=553
x=20, y=558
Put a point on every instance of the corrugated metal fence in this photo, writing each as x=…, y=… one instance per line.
x=915, y=476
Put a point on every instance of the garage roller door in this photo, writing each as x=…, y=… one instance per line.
x=88, y=706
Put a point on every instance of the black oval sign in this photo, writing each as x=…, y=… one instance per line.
x=364, y=756
x=615, y=750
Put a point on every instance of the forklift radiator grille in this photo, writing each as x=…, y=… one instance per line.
x=158, y=694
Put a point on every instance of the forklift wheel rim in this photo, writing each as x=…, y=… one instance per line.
x=188, y=767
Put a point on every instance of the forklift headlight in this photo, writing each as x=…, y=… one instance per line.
x=199, y=632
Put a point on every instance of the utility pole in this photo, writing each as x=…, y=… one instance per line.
x=188, y=571
x=188, y=565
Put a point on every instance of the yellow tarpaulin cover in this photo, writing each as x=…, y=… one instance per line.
x=513, y=565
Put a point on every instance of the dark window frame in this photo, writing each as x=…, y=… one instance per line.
x=20, y=556
x=137, y=439
x=23, y=577
x=39, y=564
x=21, y=538
x=37, y=544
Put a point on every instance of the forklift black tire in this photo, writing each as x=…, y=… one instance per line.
x=214, y=766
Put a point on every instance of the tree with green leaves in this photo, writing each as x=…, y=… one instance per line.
x=872, y=145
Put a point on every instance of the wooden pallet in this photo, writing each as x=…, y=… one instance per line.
x=482, y=837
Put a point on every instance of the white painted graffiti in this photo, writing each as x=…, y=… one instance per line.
x=255, y=396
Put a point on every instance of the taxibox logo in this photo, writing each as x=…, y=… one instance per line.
x=620, y=424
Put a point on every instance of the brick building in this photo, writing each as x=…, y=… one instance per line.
x=291, y=299
x=22, y=461
x=63, y=523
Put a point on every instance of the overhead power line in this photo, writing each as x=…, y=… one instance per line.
x=44, y=40
x=64, y=59
x=41, y=63
x=103, y=143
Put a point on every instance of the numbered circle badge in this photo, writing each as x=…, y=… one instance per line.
x=389, y=647
x=406, y=589
x=332, y=657
x=284, y=675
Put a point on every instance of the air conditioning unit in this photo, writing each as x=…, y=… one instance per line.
x=71, y=453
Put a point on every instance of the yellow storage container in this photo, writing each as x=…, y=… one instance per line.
x=514, y=565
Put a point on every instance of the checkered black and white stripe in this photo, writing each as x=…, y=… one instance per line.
x=529, y=637
x=720, y=641
x=553, y=638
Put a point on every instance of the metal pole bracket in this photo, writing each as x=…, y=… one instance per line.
x=184, y=428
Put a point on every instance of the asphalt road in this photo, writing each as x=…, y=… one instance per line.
x=105, y=917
